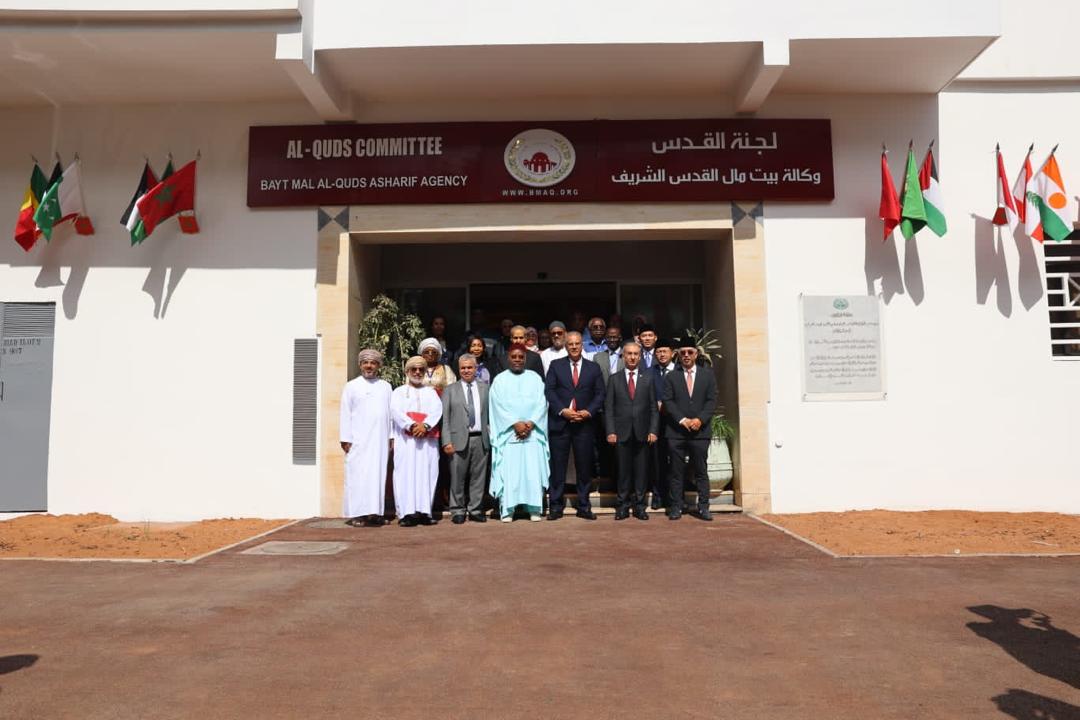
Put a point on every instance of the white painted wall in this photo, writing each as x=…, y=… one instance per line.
x=350, y=24
x=977, y=416
x=176, y=406
x=1038, y=41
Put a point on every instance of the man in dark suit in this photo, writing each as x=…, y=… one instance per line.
x=532, y=360
x=466, y=441
x=659, y=465
x=689, y=400
x=575, y=395
x=632, y=422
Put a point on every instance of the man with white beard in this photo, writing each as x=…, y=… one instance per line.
x=415, y=411
x=366, y=438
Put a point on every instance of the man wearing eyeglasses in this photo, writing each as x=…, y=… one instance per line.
x=558, y=345
x=594, y=340
x=689, y=401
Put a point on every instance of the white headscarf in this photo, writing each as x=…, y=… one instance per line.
x=429, y=343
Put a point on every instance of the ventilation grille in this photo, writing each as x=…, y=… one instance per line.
x=27, y=319
x=1063, y=297
x=305, y=400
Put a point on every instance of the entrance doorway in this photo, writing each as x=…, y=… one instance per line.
x=537, y=304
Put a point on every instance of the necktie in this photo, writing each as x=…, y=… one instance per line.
x=573, y=401
x=469, y=406
x=689, y=382
x=630, y=385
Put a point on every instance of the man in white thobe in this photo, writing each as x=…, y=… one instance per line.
x=415, y=411
x=366, y=438
x=558, y=344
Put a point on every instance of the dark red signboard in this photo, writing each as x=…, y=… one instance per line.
x=594, y=161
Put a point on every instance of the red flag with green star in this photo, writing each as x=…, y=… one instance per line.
x=167, y=198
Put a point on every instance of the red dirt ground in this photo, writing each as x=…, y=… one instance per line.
x=94, y=535
x=936, y=532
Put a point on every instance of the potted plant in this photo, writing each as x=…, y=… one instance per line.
x=394, y=333
x=718, y=464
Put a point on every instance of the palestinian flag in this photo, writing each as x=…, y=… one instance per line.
x=1020, y=187
x=26, y=230
x=172, y=195
x=64, y=201
x=56, y=174
x=131, y=218
x=1051, y=217
x=889, y=209
x=1006, y=206
x=933, y=200
x=912, y=207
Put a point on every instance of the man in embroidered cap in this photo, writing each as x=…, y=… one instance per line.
x=415, y=411
x=365, y=438
x=517, y=416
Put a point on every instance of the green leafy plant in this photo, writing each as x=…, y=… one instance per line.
x=721, y=428
x=707, y=343
x=394, y=333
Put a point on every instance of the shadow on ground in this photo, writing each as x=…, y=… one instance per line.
x=13, y=663
x=1030, y=637
x=1024, y=705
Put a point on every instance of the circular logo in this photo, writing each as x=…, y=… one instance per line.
x=840, y=304
x=539, y=157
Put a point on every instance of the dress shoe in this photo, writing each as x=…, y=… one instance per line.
x=408, y=521
x=674, y=515
x=555, y=515
x=375, y=521
x=622, y=514
x=657, y=503
x=458, y=519
x=478, y=517
x=426, y=520
x=586, y=514
x=640, y=514
x=705, y=515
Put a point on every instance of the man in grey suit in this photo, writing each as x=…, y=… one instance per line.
x=465, y=439
x=610, y=360
x=632, y=421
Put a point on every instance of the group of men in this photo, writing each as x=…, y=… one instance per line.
x=647, y=400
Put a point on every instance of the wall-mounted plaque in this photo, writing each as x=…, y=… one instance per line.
x=842, y=347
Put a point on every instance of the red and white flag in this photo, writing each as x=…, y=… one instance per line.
x=1020, y=187
x=1006, y=206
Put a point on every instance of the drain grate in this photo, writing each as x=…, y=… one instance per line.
x=297, y=547
x=327, y=524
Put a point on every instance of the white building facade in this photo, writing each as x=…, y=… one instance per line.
x=173, y=364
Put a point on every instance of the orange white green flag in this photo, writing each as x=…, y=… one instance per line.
x=1047, y=212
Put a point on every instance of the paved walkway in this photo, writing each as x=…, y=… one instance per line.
x=729, y=619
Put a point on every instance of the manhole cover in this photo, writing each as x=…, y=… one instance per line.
x=327, y=524
x=297, y=547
